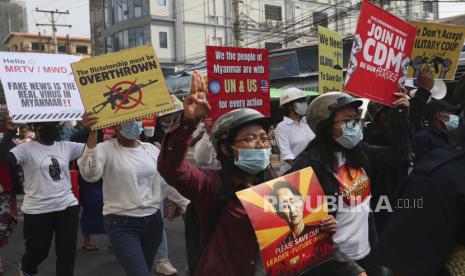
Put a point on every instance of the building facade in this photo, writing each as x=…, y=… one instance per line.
x=29, y=42
x=13, y=18
x=179, y=30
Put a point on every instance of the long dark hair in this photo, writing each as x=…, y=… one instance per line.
x=326, y=147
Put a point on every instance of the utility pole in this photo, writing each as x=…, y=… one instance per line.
x=236, y=23
x=53, y=25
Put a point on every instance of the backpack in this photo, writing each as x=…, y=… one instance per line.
x=194, y=246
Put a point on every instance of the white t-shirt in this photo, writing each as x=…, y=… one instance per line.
x=352, y=221
x=131, y=182
x=47, y=182
x=292, y=138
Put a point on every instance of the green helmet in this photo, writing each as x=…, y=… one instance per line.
x=230, y=121
x=325, y=105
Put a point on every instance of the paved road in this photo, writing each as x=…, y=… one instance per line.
x=99, y=263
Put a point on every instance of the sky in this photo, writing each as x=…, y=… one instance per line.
x=79, y=15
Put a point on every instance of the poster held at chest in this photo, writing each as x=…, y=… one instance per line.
x=380, y=55
x=286, y=214
x=122, y=86
x=40, y=87
x=437, y=45
x=237, y=78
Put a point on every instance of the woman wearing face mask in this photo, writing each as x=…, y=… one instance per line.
x=131, y=193
x=342, y=163
x=440, y=132
x=49, y=206
x=292, y=134
x=243, y=148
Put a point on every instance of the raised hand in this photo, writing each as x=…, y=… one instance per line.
x=195, y=104
x=426, y=78
x=403, y=100
x=89, y=119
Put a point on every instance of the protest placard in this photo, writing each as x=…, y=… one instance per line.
x=122, y=86
x=380, y=55
x=237, y=78
x=437, y=45
x=289, y=245
x=40, y=87
x=329, y=60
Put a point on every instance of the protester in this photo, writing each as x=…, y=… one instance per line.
x=69, y=128
x=204, y=152
x=438, y=134
x=241, y=142
x=162, y=263
x=343, y=162
x=425, y=234
x=292, y=134
x=8, y=211
x=90, y=199
x=23, y=135
x=131, y=193
x=49, y=206
x=425, y=83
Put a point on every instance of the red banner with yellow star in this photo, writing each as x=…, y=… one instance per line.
x=286, y=214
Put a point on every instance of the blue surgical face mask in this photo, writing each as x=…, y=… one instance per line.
x=253, y=161
x=131, y=130
x=301, y=108
x=453, y=122
x=350, y=136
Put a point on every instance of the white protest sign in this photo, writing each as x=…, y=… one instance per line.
x=40, y=87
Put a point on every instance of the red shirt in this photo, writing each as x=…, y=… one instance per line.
x=5, y=180
x=232, y=249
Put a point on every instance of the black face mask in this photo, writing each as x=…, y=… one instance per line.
x=49, y=134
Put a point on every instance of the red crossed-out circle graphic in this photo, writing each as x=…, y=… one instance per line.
x=126, y=93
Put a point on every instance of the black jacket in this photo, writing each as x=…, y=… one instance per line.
x=417, y=241
x=378, y=156
x=428, y=139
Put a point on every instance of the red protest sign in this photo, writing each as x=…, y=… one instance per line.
x=148, y=121
x=237, y=78
x=380, y=55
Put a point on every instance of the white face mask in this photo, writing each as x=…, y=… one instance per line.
x=453, y=122
x=301, y=108
x=350, y=136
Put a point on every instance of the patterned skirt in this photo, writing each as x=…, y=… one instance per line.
x=8, y=217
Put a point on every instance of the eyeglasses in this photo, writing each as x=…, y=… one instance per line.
x=252, y=140
x=351, y=123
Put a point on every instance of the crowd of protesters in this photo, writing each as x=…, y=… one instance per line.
x=412, y=150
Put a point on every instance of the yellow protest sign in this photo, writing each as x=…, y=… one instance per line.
x=329, y=60
x=122, y=86
x=439, y=46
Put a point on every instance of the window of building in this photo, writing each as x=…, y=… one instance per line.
x=137, y=8
x=128, y=38
x=161, y=2
x=62, y=48
x=273, y=12
x=163, y=36
x=37, y=46
x=320, y=18
x=82, y=49
x=273, y=46
x=428, y=6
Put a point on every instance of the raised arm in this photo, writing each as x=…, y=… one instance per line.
x=90, y=164
x=399, y=136
x=193, y=183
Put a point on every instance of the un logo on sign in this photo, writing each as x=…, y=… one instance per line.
x=214, y=87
